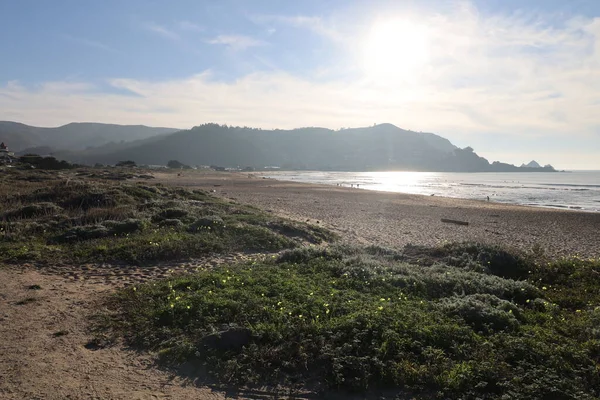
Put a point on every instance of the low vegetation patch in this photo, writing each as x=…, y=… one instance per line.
x=354, y=319
x=76, y=216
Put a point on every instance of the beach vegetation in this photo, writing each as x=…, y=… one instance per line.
x=67, y=218
x=428, y=323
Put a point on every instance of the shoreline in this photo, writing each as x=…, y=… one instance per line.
x=564, y=207
x=393, y=219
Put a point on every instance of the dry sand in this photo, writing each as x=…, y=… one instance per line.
x=396, y=219
x=43, y=353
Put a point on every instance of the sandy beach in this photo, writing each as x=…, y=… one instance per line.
x=396, y=219
x=52, y=344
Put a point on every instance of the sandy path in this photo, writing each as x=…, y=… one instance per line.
x=43, y=353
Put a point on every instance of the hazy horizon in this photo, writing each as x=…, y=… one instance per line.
x=514, y=81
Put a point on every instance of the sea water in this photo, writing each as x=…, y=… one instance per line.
x=576, y=190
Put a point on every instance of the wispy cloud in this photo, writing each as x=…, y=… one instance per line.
x=314, y=24
x=236, y=42
x=89, y=43
x=161, y=30
x=190, y=26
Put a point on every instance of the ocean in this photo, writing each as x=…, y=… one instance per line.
x=576, y=190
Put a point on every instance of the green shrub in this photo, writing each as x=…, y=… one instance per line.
x=493, y=259
x=85, y=232
x=105, y=199
x=139, y=192
x=306, y=254
x=171, y=213
x=212, y=223
x=130, y=225
x=175, y=223
x=255, y=238
x=33, y=210
x=485, y=312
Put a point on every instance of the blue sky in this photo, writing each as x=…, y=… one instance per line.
x=514, y=79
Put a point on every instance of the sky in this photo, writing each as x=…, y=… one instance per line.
x=515, y=80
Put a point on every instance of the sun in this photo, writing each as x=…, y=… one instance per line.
x=396, y=50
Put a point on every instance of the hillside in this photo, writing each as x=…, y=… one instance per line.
x=305, y=148
x=379, y=147
x=532, y=164
x=73, y=136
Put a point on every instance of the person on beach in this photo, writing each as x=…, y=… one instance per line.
x=488, y=198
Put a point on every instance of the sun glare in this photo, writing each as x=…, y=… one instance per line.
x=396, y=50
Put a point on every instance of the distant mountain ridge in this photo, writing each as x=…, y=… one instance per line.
x=73, y=136
x=376, y=148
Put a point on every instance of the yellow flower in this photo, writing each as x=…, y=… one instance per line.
x=380, y=308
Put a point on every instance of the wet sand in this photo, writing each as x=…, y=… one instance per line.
x=397, y=219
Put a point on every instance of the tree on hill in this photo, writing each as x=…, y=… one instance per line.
x=49, y=163
x=177, y=165
x=127, y=163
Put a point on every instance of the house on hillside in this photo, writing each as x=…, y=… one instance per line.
x=6, y=156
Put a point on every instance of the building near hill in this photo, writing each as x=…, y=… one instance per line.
x=6, y=156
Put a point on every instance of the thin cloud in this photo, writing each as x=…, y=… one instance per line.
x=190, y=26
x=89, y=43
x=236, y=42
x=161, y=30
x=314, y=24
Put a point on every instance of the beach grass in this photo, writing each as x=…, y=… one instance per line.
x=458, y=321
x=90, y=216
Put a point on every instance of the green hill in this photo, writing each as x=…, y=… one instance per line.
x=73, y=136
x=379, y=147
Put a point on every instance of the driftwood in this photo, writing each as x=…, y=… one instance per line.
x=453, y=221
